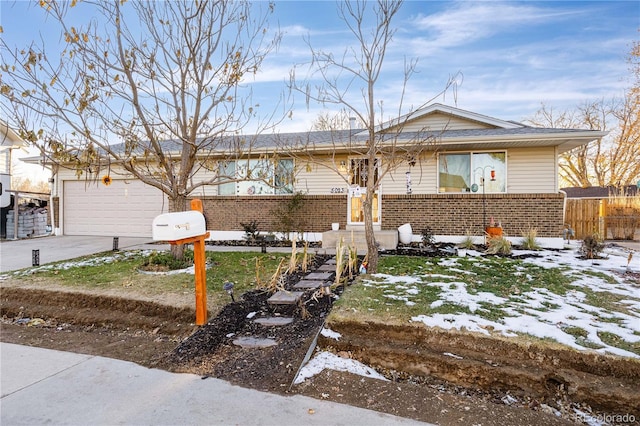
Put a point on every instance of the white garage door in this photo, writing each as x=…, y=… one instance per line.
x=125, y=208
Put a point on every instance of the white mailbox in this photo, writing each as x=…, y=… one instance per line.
x=179, y=225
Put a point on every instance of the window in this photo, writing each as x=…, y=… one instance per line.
x=227, y=170
x=257, y=177
x=459, y=172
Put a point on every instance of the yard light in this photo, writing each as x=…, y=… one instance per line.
x=228, y=287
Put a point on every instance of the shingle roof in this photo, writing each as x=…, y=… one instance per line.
x=327, y=137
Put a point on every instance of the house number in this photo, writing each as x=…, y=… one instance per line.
x=338, y=190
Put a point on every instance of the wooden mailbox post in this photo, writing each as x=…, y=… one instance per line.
x=187, y=228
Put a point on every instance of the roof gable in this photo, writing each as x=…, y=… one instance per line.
x=439, y=117
x=9, y=138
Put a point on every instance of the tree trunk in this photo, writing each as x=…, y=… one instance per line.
x=177, y=204
x=372, y=247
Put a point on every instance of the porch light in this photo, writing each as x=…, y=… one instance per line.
x=343, y=166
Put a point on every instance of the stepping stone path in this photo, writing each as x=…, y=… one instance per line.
x=324, y=276
x=308, y=284
x=313, y=280
x=284, y=297
x=274, y=321
x=327, y=267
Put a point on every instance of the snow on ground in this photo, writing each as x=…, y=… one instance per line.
x=544, y=314
x=566, y=318
x=91, y=261
x=334, y=362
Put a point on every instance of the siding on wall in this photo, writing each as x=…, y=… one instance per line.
x=532, y=170
x=529, y=170
x=207, y=190
x=319, y=180
x=438, y=121
x=423, y=179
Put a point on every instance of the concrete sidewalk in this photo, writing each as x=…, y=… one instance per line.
x=42, y=386
x=17, y=254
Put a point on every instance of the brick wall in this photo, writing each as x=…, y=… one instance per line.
x=317, y=212
x=454, y=214
x=446, y=214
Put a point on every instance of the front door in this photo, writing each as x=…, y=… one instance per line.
x=357, y=189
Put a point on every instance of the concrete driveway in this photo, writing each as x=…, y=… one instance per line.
x=17, y=254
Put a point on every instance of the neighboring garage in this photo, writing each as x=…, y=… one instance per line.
x=125, y=208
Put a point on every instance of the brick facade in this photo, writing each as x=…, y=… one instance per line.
x=455, y=214
x=446, y=214
x=229, y=213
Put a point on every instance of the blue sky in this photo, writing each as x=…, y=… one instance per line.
x=513, y=55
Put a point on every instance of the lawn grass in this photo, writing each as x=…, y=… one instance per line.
x=491, y=288
x=120, y=273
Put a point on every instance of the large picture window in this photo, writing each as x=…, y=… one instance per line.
x=257, y=177
x=458, y=172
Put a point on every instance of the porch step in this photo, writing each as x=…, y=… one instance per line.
x=283, y=297
x=387, y=240
x=274, y=321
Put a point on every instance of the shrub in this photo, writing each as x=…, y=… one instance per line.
x=467, y=242
x=427, y=237
x=529, y=240
x=288, y=215
x=498, y=245
x=164, y=260
x=251, y=232
x=591, y=246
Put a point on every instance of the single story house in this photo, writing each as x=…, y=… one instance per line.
x=479, y=168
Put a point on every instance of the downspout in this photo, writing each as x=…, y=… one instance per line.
x=52, y=187
x=557, y=185
x=51, y=206
x=564, y=206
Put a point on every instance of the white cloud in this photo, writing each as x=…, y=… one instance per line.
x=467, y=22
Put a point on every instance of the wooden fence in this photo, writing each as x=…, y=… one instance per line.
x=615, y=218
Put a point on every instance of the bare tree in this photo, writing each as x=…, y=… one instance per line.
x=155, y=88
x=25, y=184
x=359, y=68
x=340, y=121
x=612, y=160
